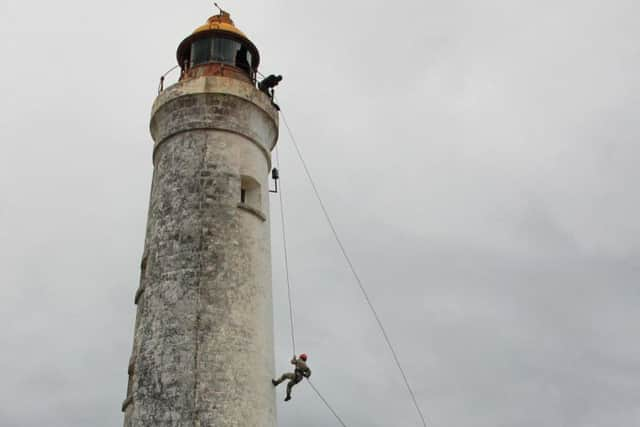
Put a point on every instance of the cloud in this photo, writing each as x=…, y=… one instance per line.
x=479, y=160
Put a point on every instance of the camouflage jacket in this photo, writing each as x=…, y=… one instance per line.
x=301, y=367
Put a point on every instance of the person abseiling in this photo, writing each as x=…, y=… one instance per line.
x=301, y=371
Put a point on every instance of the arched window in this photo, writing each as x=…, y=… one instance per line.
x=250, y=192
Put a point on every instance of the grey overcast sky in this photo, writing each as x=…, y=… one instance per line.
x=478, y=157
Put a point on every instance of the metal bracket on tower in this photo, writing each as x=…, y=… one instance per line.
x=275, y=175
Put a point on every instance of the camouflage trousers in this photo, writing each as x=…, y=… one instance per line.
x=294, y=378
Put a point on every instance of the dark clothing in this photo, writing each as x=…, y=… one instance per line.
x=301, y=371
x=269, y=83
x=301, y=367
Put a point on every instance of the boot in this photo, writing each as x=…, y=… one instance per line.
x=274, y=382
x=288, y=398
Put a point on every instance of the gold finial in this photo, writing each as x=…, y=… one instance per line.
x=223, y=15
x=222, y=21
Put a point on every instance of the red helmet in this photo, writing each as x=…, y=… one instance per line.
x=303, y=356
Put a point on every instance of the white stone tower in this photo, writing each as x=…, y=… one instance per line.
x=203, y=345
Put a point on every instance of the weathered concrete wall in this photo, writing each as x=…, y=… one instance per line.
x=203, y=346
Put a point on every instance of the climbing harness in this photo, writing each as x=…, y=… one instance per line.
x=353, y=271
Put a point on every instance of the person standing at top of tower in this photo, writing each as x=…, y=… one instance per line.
x=301, y=371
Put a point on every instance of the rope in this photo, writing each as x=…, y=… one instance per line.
x=353, y=270
x=286, y=257
x=286, y=268
x=326, y=403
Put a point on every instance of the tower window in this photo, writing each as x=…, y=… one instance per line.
x=221, y=50
x=250, y=197
x=200, y=51
x=250, y=192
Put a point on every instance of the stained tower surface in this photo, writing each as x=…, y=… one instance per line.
x=203, y=342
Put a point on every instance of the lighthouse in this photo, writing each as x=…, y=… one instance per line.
x=203, y=342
